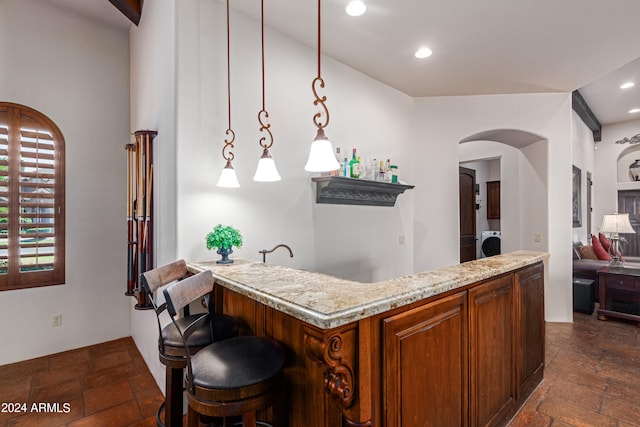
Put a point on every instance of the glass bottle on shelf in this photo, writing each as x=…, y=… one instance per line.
x=372, y=173
x=387, y=171
x=338, y=171
x=354, y=165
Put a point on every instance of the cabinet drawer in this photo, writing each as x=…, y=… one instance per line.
x=621, y=282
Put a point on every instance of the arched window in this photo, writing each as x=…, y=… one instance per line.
x=31, y=199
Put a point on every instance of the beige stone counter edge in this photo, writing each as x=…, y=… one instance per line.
x=406, y=289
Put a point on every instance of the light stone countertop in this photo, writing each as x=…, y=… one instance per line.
x=327, y=302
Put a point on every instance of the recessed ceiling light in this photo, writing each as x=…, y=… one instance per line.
x=356, y=8
x=423, y=52
x=627, y=85
x=634, y=110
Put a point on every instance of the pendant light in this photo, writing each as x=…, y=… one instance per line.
x=228, y=176
x=321, y=157
x=266, y=171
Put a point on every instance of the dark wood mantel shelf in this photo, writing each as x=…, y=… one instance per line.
x=339, y=190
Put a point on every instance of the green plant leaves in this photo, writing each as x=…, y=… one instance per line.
x=223, y=237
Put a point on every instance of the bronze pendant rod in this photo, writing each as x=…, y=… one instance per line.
x=227, y=154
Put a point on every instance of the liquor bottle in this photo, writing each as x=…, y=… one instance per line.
x=354, y=165
x=372, y=173
x=381, y=171
x=387, y=171
x=346, y=170
x=338, y=171
x=362, y=169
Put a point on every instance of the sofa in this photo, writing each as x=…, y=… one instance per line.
x=588, y=259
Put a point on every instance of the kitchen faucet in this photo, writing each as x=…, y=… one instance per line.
x=264, y=252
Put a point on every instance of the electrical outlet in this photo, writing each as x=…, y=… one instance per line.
x=401, y=240
x=57, y=320
x=537, y=237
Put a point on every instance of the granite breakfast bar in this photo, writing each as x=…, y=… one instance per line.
x=461, y=345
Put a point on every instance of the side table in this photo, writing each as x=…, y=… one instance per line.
x=619, y=293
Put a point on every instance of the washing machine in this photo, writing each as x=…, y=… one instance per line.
x=490, y=243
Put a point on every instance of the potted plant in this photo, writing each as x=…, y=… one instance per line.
x=223, y=237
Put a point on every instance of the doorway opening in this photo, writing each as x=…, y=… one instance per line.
x=516, y=163
x=486, y=208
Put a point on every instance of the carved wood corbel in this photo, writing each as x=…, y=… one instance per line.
x=336, y=351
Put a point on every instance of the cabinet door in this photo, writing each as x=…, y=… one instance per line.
x=530, y=327
x=492, y=378
x=426, y=365
x=493, y=199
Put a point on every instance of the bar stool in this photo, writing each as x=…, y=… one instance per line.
x=232, y=377
x=171, y=347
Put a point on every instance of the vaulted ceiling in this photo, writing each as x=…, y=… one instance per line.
x=479, y=47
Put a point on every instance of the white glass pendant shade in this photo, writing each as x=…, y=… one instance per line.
x=321, y=155
x=356, y=8
x=266, y=171
x=228, y=177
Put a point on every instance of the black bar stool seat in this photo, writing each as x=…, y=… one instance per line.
x=235, y=376
x=222, y=327
x=171, y=347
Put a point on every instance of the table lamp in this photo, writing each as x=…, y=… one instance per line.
x=615, y=225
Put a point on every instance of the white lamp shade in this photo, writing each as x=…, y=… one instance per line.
x=228, y=177
x=321, y=156
x=266, y=171
x=616, y=223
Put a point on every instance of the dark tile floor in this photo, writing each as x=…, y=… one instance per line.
x=103, y=385
x=592, y=378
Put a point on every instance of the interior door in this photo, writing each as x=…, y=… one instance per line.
x=467, y=181
x=629, y=202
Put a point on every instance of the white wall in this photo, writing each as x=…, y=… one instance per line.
x=605, y=178
x=533, y=172
x=350, y=241
x=583, y=158
x=153, y=107
x=190, y=102
x=442, y=122
x=76, y=72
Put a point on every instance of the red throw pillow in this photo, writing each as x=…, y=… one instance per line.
x=599, y=249
x=606, y=243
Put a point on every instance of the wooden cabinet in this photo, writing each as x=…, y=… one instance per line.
x=619, y=293
x=493, y=199
x=434, y=391
x=468, y=357
x=530, y=327
x=492, y=386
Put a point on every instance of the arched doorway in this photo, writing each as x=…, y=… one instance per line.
x=521, y=171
